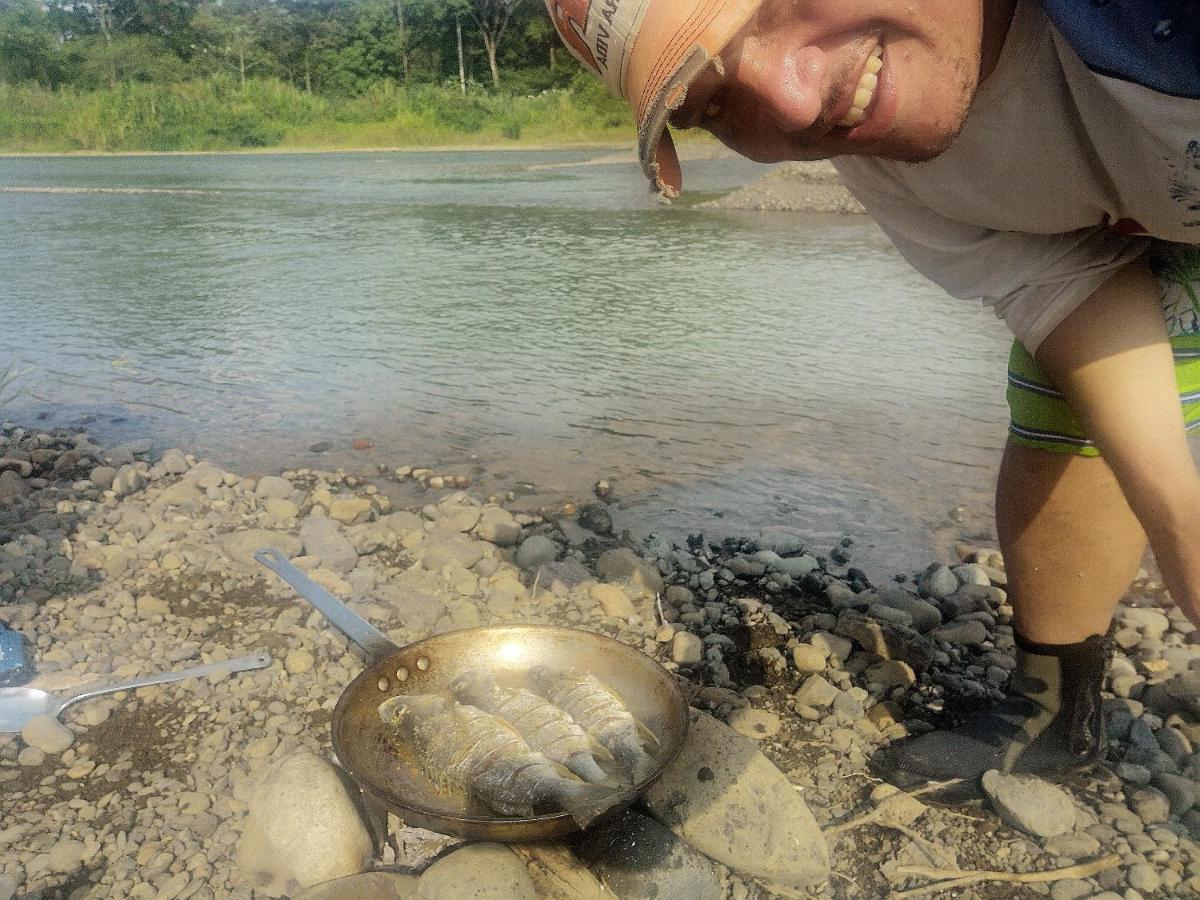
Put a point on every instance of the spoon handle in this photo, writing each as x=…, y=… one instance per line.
x=237, y=664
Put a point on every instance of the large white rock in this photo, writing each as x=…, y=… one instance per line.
x=477, y=872
x=726, y=799
x=302, y=828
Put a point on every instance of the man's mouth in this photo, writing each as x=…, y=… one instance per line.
x=865, y=92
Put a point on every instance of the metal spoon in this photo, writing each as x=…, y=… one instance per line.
x=20, y=704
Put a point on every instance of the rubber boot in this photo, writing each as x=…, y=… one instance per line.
x=1051, y=724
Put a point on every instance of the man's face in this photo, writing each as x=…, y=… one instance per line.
x=809, y=79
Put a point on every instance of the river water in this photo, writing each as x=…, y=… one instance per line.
x=526, y=316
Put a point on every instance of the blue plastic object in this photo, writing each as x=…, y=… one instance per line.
x=16, y=658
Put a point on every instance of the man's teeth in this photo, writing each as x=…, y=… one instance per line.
x=866, y=90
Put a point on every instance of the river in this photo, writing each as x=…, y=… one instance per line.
x=529, y=316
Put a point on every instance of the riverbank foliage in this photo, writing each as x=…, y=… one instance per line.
x=220, y=114
x=157, y=75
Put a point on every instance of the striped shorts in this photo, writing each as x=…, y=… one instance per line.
x=1040, y=416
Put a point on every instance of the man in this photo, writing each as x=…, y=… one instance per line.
x=1037, y=155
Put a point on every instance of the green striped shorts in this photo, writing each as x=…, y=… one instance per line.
x=1041, y=417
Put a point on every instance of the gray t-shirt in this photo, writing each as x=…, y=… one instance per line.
x=1059, y=177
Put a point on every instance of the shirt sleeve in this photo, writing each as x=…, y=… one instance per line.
x=1031, y=281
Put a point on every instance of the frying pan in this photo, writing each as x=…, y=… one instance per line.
x=391, y=775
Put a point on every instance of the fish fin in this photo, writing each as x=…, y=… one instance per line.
x=599, y=750
x=646, y=734
x=588, y=802
x=583, y=765
x=643, y=768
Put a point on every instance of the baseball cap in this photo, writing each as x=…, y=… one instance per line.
x=648, y=52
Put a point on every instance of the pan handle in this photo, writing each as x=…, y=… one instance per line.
x=342, y=617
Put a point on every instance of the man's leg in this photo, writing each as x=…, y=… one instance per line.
x=1071, y=547
x=1071, y=544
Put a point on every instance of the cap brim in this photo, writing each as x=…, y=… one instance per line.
x=656, y=148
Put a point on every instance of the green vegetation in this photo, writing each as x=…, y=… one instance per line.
x=218, y=114
x=155, y=75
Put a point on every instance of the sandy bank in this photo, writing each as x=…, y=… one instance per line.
x=793, y=187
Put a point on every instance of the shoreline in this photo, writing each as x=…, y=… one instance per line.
x=116, y=562
x=296, y=151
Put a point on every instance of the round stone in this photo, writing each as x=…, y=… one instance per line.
x=297, y=662
x=754, y=723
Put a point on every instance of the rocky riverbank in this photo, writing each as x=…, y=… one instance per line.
x=793, y=187
x=115, y=562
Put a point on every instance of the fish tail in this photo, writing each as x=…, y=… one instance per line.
x=588, y=802
x=638, y=764
x=583, y=765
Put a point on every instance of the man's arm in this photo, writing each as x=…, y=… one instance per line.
x=1111, y=358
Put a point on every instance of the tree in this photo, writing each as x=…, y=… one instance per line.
x=28, y=46
x=492, y=18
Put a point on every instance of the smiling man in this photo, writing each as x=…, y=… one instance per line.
x=1042, y=156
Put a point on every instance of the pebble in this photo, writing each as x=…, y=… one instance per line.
x=1030, y=804
x=687, y=649
x=613, y=600
x=817, y=692
x=809, y=658
x=297, y=662
x=47, y=734
x=754, y=723
x=1142, y=877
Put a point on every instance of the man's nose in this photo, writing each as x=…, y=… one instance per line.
x=788, y=82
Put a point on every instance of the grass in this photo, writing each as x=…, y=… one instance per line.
x=217, y=114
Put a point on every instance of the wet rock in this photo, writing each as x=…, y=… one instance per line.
x=937, y=582
x=1181, y=793
x=537, y=550
x=303, y=828
x=925, y=616
x=966, y=633
x=638, y=859
x=1030, y=804
x=595, y=517
x=477, y=872
x=727, y=800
